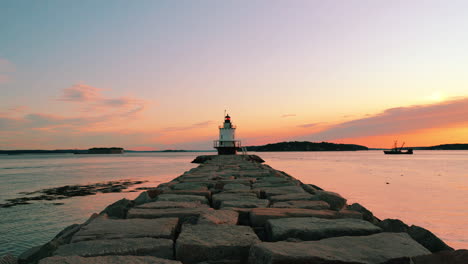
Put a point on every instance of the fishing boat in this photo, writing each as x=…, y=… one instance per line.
x=398, y=150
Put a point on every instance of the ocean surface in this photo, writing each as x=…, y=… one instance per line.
x=429, y=188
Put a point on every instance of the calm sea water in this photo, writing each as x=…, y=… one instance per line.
x=429, y=188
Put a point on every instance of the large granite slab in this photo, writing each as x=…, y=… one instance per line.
x=314, y=205
x=259, y=216
x=219, y=217
x=184, y=214
x=218, y=198
x=182, y=198
x=104, y=228
x=197, y=243
x=311, y=228
x=170, y=204
x=107, y=260
x=377, y=248
x=157, y=247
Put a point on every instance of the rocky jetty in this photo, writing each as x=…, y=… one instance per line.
x=232, y=209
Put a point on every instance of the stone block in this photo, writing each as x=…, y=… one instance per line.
x=169, y=204
x=157, y=247
x=377, y=248
x=427, y=239
x=247, y=203
x=185, y=215
x=107, y=260
x=118, y=209
x=345, y=213
x=267, y=192
x=219, y=217
x=182, y=198
x=311, y=228
x=190, y=186
x=218, y=198
x=259, y=216
x=305, y=204
x=293, y=197
x=235, y=187
x=310, y=188
x=366, y=214
x=197, y=243
x=103, y=228
x=204, y=193
x=336, y=201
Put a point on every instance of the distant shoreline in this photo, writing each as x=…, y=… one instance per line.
x=274, y=147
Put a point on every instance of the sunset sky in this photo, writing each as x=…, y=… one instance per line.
x=159, y=74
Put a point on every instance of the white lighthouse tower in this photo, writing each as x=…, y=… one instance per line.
x=227, y=144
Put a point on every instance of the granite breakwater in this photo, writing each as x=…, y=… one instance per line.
x=234, y=209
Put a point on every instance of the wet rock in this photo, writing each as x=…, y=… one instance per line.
x=157, y=247
x=427, y=239
x=259, y=216
x=107, y=260
x=366, y=214
x=421, y=235
x=68, y=191
x=198, y=243
x=393, y=225
x=371, y=249
x=314, y=205
x=336, y=201
x=453, y=257
x=118, y=209
x=143, y=198
x=311, y=228
x=345, y=213
x=104, y=228
x=219, y=217
x=310, y=188
x=63, y=237
x=8, y=259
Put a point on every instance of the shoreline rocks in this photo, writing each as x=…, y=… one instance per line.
x=68, y=191
x=233, y=209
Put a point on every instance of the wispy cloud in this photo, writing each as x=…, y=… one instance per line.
x=288, y=115
x=193, y=126
x=100, y=110
x=310, y=125
x=81, y=93
x=400, y=120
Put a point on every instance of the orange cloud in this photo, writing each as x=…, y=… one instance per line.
x=399, y=120
x=81, y=93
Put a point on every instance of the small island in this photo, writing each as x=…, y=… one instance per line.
x=112, y=150
x=306, y=146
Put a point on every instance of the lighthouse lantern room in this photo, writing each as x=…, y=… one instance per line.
x=227, y=144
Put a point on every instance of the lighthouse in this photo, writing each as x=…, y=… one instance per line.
x=227, y=144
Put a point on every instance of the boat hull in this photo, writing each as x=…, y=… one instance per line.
x=409, y=151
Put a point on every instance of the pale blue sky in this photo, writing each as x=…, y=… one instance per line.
x=189, y=60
